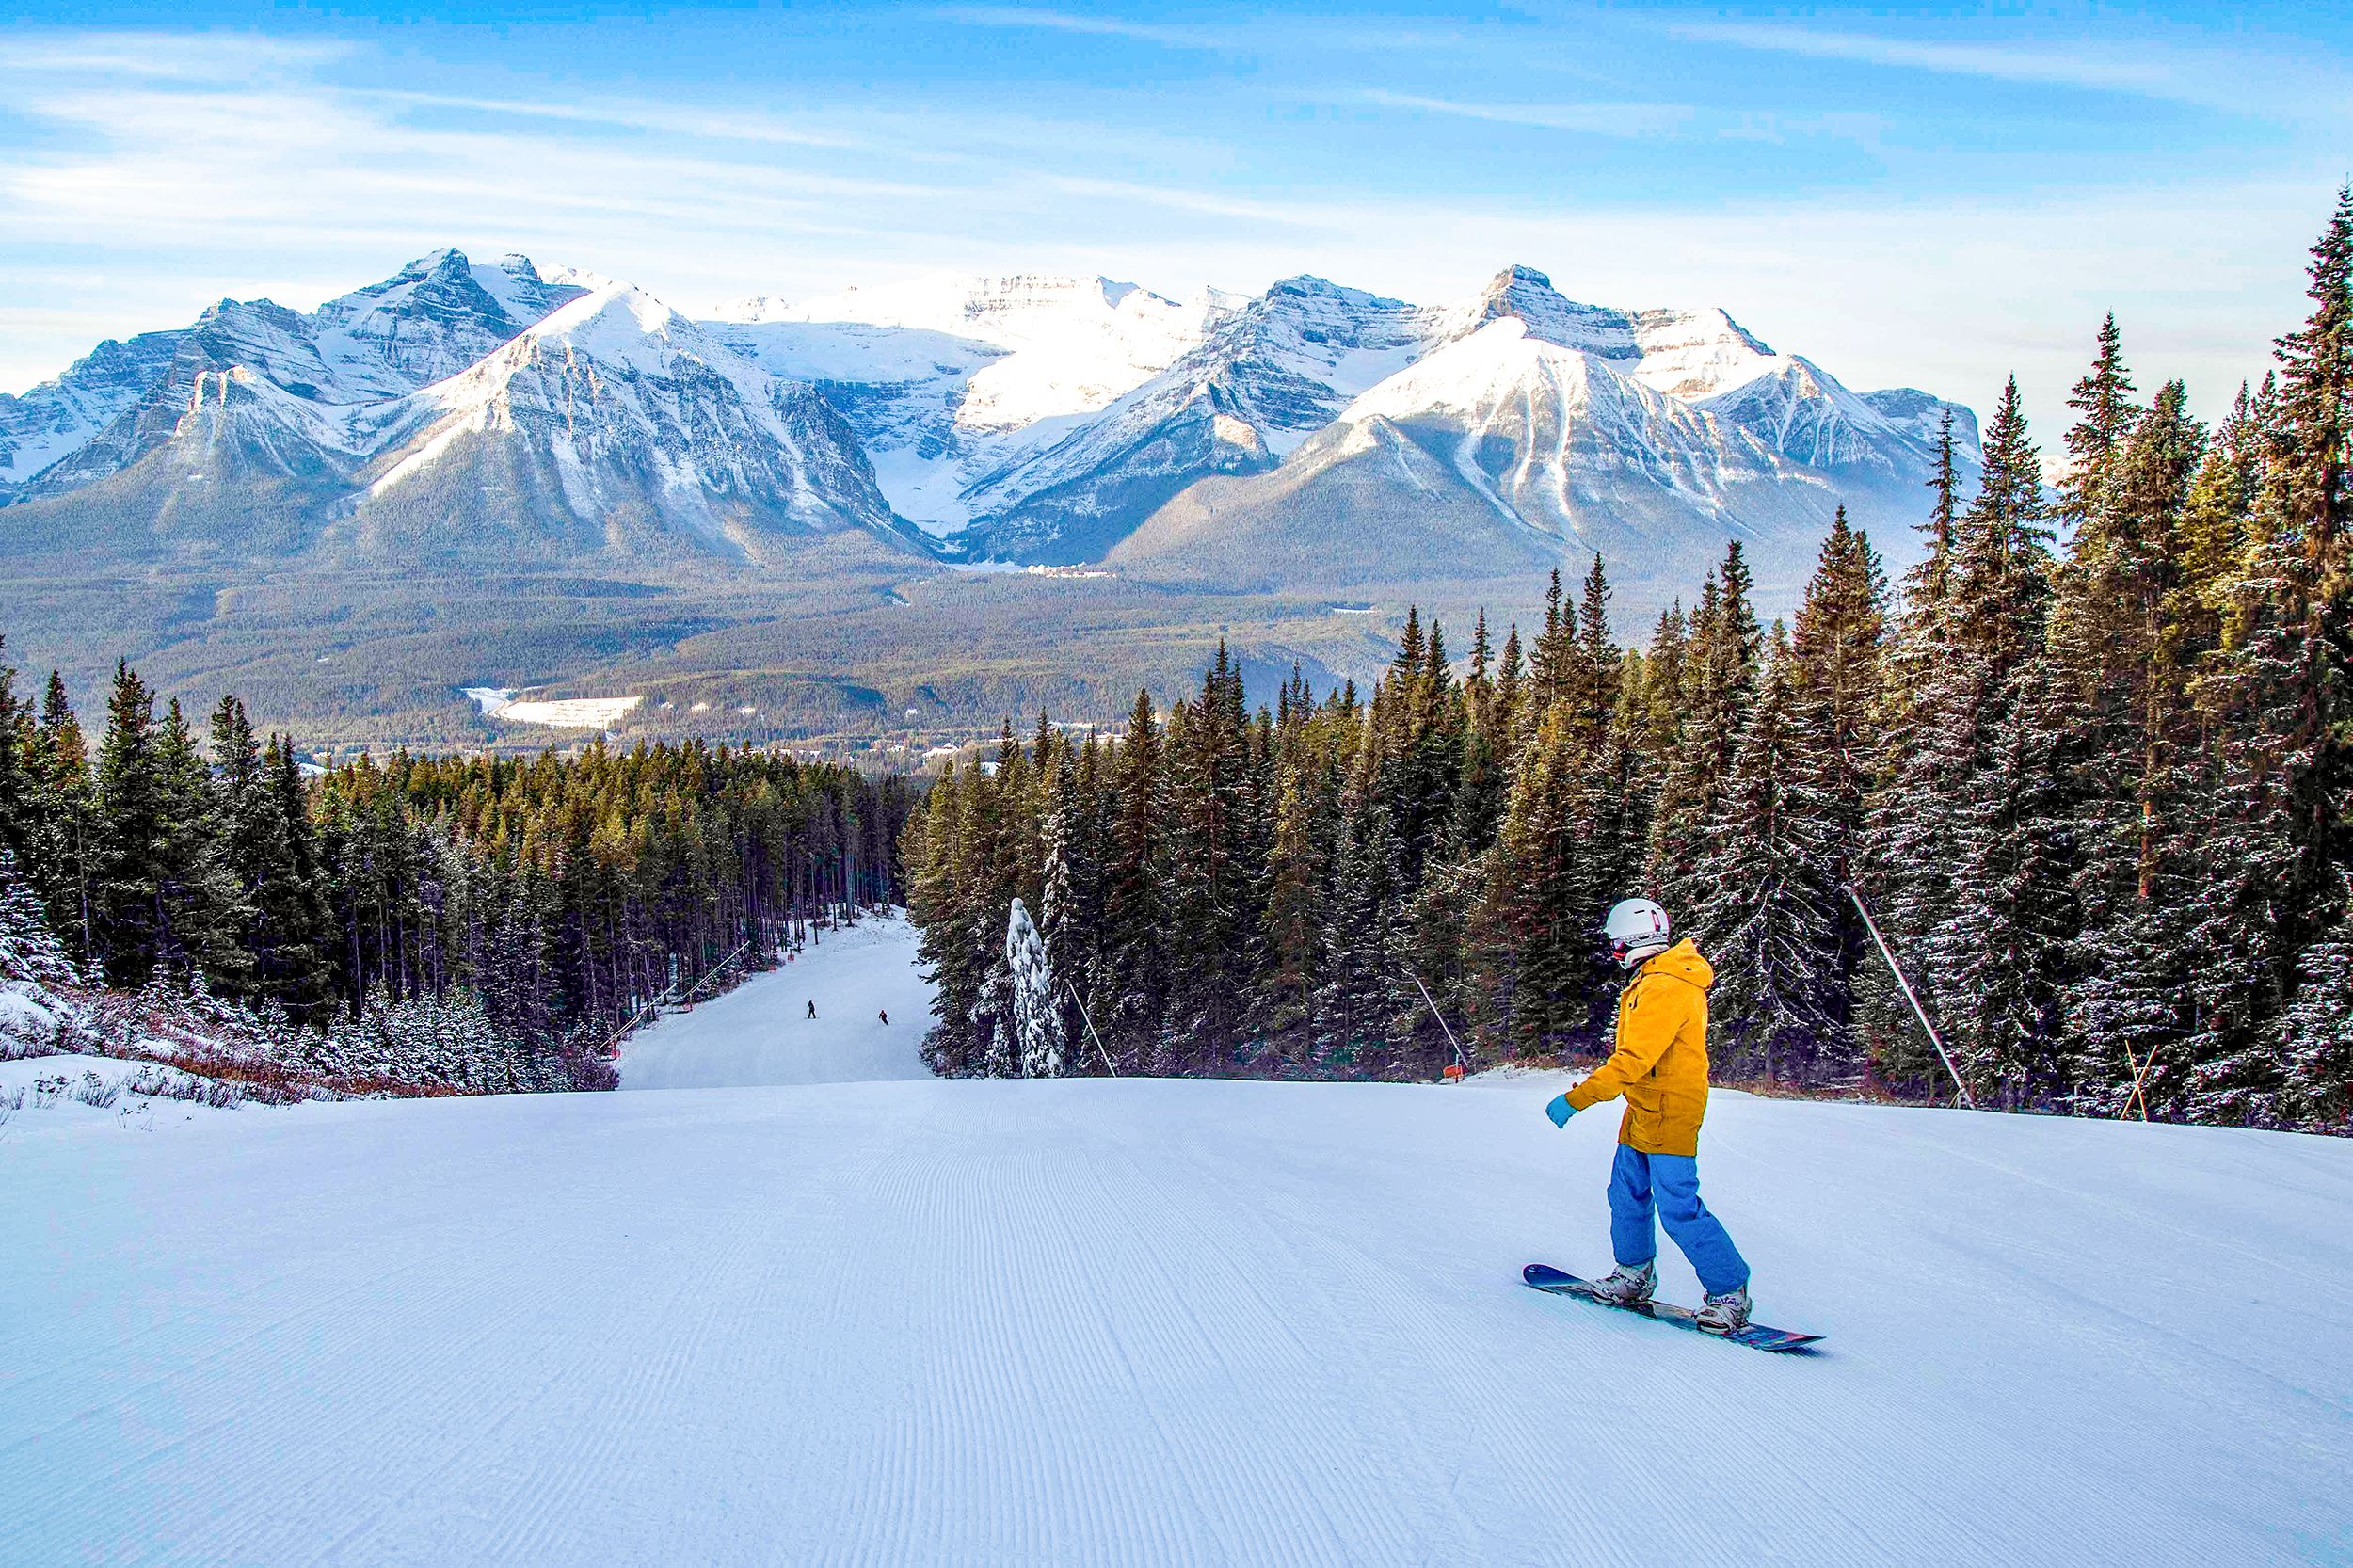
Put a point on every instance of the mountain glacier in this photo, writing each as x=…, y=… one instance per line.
x=1309, y=437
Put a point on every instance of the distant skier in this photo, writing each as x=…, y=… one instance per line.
x=884, y=1016
x=812, y=1009
x=1659, y=1063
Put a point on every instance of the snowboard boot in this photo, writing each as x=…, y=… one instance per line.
x=1724, y=1314
x=1628, y=1286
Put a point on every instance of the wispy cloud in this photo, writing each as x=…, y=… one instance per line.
x=731, y=126
x=1601, y=119
x=2065, y=66
x=1037, y=19
x=166, y=56
x=1246, y=33
x=2199, y=71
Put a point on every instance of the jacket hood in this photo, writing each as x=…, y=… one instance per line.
x=1684, y=961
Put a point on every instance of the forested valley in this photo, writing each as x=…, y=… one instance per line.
x=2089, y=764
x=449, y=924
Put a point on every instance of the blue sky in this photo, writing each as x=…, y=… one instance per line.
x=1932, y=195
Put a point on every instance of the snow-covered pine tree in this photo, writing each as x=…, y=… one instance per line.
x=2274, y=859
x=995, y=1049
x=1065, y=921
x=29, y=949
x=2121, y=666
x=2316, y=1030
x=1038, y=1042
x=1769, y=919
x=1915, y=758
x=2001, y=954
x=1837, y=686
x=1953, y=743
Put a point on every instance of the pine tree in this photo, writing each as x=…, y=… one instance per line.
x=2105, y=414
x=1296, y=892
x=2273, y=856
x=2317, y=1031
x=1065, y=924
x=1135, y=953
x=58, y=824
x=29, y=950
x=130, y=852
x=16, y=778
x=1537, y=923
x=290, y=930
x=1718, y=687
x=2001, y=953
x=1033, y=1016
x=1836, y=697
x=1770, y=916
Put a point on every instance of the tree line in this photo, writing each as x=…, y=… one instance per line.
x=468, y=906
x=2089, y=764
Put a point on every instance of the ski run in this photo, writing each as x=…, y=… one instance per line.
x=785, y=1310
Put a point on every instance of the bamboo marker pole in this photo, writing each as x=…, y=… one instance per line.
x=1897, y=969
x=1442, y=1024
x=1099, y=1047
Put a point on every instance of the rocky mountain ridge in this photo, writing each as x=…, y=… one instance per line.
x=460, y=412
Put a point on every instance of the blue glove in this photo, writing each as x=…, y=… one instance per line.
x=1560, y=1109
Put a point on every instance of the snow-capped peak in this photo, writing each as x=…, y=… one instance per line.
x=1699, y=353
x=1472, y=375
x=425, y=322
x=1526, y=295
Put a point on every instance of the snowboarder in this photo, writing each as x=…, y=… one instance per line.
x=1659, y=1063
x=812, y=1009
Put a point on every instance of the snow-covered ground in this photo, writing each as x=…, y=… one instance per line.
x=1087, y=1321
x=760, y=1032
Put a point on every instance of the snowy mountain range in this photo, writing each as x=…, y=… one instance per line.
x=1311, y=436
x=454, y=411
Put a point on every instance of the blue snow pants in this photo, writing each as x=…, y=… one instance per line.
x=1670, y=1185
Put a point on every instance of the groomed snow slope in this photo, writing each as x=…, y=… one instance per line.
x=1086, y=1321
x=760, y=1032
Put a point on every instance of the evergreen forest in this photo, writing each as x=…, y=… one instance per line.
x=468, y=923
x=2088, y=765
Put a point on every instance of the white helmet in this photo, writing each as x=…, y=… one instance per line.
x=1636, y=929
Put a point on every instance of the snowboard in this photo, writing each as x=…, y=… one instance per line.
x=1544, y=1276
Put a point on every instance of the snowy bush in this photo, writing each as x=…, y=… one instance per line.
x=446, y=1041
x=29, y=1022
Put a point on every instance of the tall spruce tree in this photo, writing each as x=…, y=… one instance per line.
x=131, y=852
x=1769, y=916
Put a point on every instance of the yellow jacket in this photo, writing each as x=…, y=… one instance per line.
x=1661, y=1061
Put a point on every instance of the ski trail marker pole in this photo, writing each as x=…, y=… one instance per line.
x=1441, y=1017
x=2136, y=1097
x=1090, y=1023
x=1897, y=969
